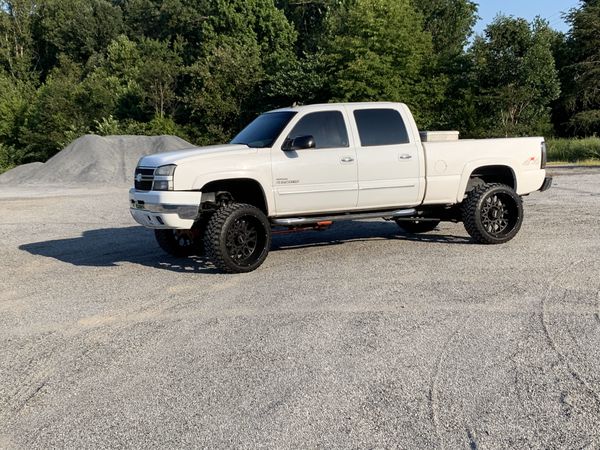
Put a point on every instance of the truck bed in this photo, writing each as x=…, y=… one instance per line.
x=446, y=165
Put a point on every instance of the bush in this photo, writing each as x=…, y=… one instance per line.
x=107, y=126
x=573, y=150
x=157, y=126
x=8, y=158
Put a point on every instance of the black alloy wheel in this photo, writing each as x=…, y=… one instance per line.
x=183, y=243
x=238, y=238
x=242, y=240
x=497, y=216
x=492, y=213
x=178, y=243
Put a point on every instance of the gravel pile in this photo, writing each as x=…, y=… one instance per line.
x=94, y=159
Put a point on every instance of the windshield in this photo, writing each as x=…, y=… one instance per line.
x=263, y=130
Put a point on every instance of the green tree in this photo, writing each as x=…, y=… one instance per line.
x=299, y=81
x=115, y=79
x=221, y=88
x=16, y=43
x=77, y=28
x=253, y=20
x=15, y=97
x=247, y=44
x=581, y=70
x=135, y=80
x=450, y=23
x=312, y=19
x=380, y=52
x=517, y=78
x=161, y=65
x=55, y=114
x=169, y=20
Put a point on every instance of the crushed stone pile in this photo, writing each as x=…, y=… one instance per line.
x=94, y=159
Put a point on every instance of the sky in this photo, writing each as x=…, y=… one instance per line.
x=550, y=10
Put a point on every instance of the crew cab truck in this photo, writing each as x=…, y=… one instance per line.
x=306, y=167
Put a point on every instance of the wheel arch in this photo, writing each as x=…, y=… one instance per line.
x=242, y=189
x=489, y=173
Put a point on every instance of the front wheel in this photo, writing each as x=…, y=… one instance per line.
x=238, y=238
x=179, y=243
x=492, y=213
x=183, y=243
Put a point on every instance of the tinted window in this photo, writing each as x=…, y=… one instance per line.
x=380, y=127
x=263, y=131
x=327, y=128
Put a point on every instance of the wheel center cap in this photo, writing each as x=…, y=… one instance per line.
x=495, y=213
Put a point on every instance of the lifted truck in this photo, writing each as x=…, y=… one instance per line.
x=308, y=166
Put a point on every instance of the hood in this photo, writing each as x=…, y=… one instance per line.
x=179, y=156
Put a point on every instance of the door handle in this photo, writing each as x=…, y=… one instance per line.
x=405, y=156
x=347, y=159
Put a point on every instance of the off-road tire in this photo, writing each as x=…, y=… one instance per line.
x=237, y=238
x=183, y=243
x=175, y=243
x=199, y=230
x=418, y=226
x=492, y=213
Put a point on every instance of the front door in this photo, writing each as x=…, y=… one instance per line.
x=320, y=179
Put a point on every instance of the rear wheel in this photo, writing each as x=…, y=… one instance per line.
x=492, y=213
x=418, y=226
x=238, y=238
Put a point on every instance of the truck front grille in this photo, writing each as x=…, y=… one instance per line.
x=144, y=177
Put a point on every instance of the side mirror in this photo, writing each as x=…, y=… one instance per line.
x=299, y=143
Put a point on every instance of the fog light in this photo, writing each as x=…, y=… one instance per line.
x=187, y=212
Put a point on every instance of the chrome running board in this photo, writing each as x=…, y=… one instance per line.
x=387, y=215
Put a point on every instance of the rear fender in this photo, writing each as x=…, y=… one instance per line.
x=473, y=166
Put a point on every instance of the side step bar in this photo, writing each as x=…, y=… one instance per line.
x=388, y=215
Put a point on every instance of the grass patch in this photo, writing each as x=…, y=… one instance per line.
x=574, y=150
x=586, y=163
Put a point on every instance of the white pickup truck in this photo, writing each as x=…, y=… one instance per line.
x=308, y=166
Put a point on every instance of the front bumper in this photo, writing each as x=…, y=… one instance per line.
x=547, y=184
x=165, y=209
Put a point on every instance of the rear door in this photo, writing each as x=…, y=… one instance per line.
x=320, y=179
x=388, y=158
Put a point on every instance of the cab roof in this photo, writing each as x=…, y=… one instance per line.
x=320, y=106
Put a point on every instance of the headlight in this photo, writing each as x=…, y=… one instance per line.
x=163, y=178
x=165, y=171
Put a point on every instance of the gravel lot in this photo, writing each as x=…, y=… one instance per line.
x=354, y=337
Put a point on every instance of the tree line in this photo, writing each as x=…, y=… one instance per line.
x=202, y=68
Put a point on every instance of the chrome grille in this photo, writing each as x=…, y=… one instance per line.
x=144, y=177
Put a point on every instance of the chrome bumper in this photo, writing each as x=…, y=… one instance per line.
x=183, y=211
x=168, y=209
